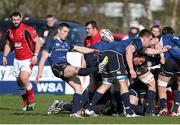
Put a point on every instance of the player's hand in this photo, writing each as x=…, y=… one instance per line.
x=133, y=74
x=4, y=61
x=96, y=52
x=34, y=60
x=37, y=78
x=166, y=48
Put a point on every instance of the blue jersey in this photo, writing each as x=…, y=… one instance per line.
x=57, y=51
x=174, y=42
x=119, y=46
x=101, y=46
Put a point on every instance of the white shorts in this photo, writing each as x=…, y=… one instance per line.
x=22, y=65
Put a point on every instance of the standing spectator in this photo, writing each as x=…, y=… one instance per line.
x=26, y=45
x=156, y=30
x=133, y=31
x=50, y=26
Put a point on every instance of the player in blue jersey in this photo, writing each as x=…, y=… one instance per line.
x=141, y=71
x=116, y=68
x=171, y=69
x=55, y=50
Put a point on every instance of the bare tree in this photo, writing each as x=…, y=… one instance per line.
x=174, y=13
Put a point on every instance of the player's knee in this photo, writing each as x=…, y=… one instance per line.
x=162, y=83
x=148, y=79
x=78, y=89
x=24, y=80
x=28, y=86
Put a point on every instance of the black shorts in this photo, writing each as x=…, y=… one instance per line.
x=138, y=89
x=115, y=65
x=58, y=70
x=171, y=68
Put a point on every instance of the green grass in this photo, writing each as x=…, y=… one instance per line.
x=10, y=106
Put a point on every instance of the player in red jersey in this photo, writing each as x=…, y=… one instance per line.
x=93, y=36
x=26, y=45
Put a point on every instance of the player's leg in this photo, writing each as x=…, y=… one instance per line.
x=124, y=87
x=117, y=107
x=125, y=96
x=24, y=75
x=176, y=99
x=23, y=94
x=148, y=79
x=93, y=70
x=96, y=97
x=162, y=84
x=135, y=98
x=75, y=83
x=18, y=66
x=24, y=78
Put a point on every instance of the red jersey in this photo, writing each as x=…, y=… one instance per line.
x=22, y=40
x=89, y=41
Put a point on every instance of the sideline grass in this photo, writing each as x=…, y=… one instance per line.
x=10, y=113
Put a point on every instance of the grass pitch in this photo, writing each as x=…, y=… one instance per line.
x=10, y=113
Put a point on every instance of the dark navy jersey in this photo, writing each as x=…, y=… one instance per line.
x=174, y=42
x=119, y=46
x=57, y=51
x=101, y=46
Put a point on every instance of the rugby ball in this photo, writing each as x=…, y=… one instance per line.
x=106, y=35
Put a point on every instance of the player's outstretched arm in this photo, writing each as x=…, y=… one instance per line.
x=44, y=57
x=151, y=51
x=84, y=50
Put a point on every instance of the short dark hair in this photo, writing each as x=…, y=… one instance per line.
x=15, y=14
x=92, y=22
x=50, y=16
x=168, y=30
x=61, y=25
x=145, y=32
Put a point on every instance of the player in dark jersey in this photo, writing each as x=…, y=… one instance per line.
x=116, y=68
x=170, y=69
x=26, y=46
x=55, y=50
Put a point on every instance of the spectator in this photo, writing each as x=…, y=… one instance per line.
x=133, y=31
x=50, y=27
x=156, y=30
